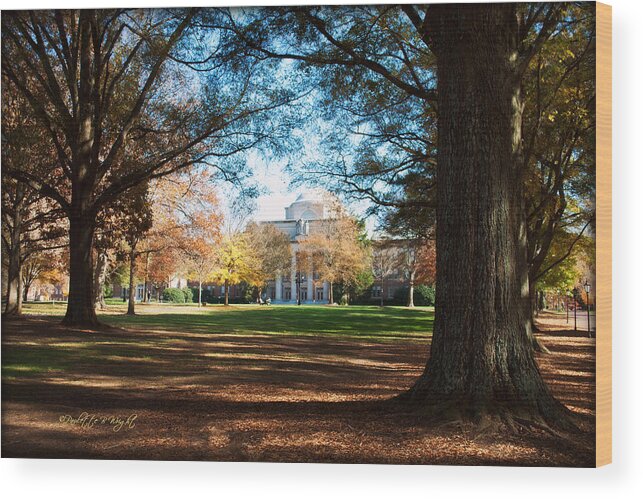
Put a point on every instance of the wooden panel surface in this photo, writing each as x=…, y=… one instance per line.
x=603, y=234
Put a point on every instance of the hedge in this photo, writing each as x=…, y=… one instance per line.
x=174, y=295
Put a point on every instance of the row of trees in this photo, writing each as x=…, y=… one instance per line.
x=337, y=251
x=477, y=116
x=103, y=90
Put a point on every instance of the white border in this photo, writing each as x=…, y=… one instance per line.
x=50, y=479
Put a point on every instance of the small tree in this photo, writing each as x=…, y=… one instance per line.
x=202, y=260
x=272, y=249
x=236, y=263
x=339, y=250
x=386, y=258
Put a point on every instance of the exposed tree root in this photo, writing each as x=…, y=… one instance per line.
x=536, y=344
x=493, y=417
x=91, y=326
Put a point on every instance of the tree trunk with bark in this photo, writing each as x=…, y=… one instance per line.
x=13, y=306
x=100, y=275
x=80, y=305
x=410, y=303
x=82, y=216
x=132, y=275
x=531, y=310
x=14, y=285
x=481, y=367
x=147, y=273
x=330, y=293
x=227, y=292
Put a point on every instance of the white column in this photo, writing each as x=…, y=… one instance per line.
x=326, y=292
x=278, y=288
x=293, y=277
x=309, y=280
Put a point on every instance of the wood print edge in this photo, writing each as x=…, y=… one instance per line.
x=603, y=234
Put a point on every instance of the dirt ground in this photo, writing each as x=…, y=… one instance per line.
x=266, y=398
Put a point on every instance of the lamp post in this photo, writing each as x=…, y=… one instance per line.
x=298, y=287
x=575, y=306
x=567, y=306
x=588, y=288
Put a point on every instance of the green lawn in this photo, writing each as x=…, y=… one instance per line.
x=182, y=326
x=359, y=322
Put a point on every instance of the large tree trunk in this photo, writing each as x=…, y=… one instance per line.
x=100, y=274
x=481, y=367
x=82, y=218
x=13, y=306
x=132, y=274
x=227, y=292
x=80, y=306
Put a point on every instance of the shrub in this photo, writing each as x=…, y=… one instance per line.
x=188, y=294
x=173, y=295
x=423, y=295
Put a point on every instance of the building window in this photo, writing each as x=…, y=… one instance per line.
x=319, y=294
x=376, y=292
x=287, y=294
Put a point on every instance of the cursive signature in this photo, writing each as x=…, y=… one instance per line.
x=86, y=421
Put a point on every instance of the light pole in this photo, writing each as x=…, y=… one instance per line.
x=588, y=288
x=298, y=287
x=575, y=304
x=567, y=306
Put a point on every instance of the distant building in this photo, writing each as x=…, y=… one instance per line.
x=301, y=219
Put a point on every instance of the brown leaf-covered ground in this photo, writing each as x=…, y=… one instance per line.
x=260, y=397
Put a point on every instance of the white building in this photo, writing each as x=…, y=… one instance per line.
x=301, y=219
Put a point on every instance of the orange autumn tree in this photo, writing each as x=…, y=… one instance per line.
x=338, y=254
x=186, y=229
x=418, y=264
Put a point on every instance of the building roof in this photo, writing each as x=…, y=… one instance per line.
x=310, y=196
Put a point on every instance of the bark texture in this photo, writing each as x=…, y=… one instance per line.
x=410, y=303
x=82, y=213
x=80, y=307
x=13, y=305
x=132, y=273
x=481, y=368
x=100, y=275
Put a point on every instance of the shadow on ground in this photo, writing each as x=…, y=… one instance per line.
x=205, y=392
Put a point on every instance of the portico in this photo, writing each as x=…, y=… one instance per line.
x=301, y=218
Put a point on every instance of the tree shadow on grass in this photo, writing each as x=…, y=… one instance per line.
x=218, y=396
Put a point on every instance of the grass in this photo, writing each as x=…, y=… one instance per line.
x=357, y=322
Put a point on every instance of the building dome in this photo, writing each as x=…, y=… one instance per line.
x=309, y=196
x=309, y=205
